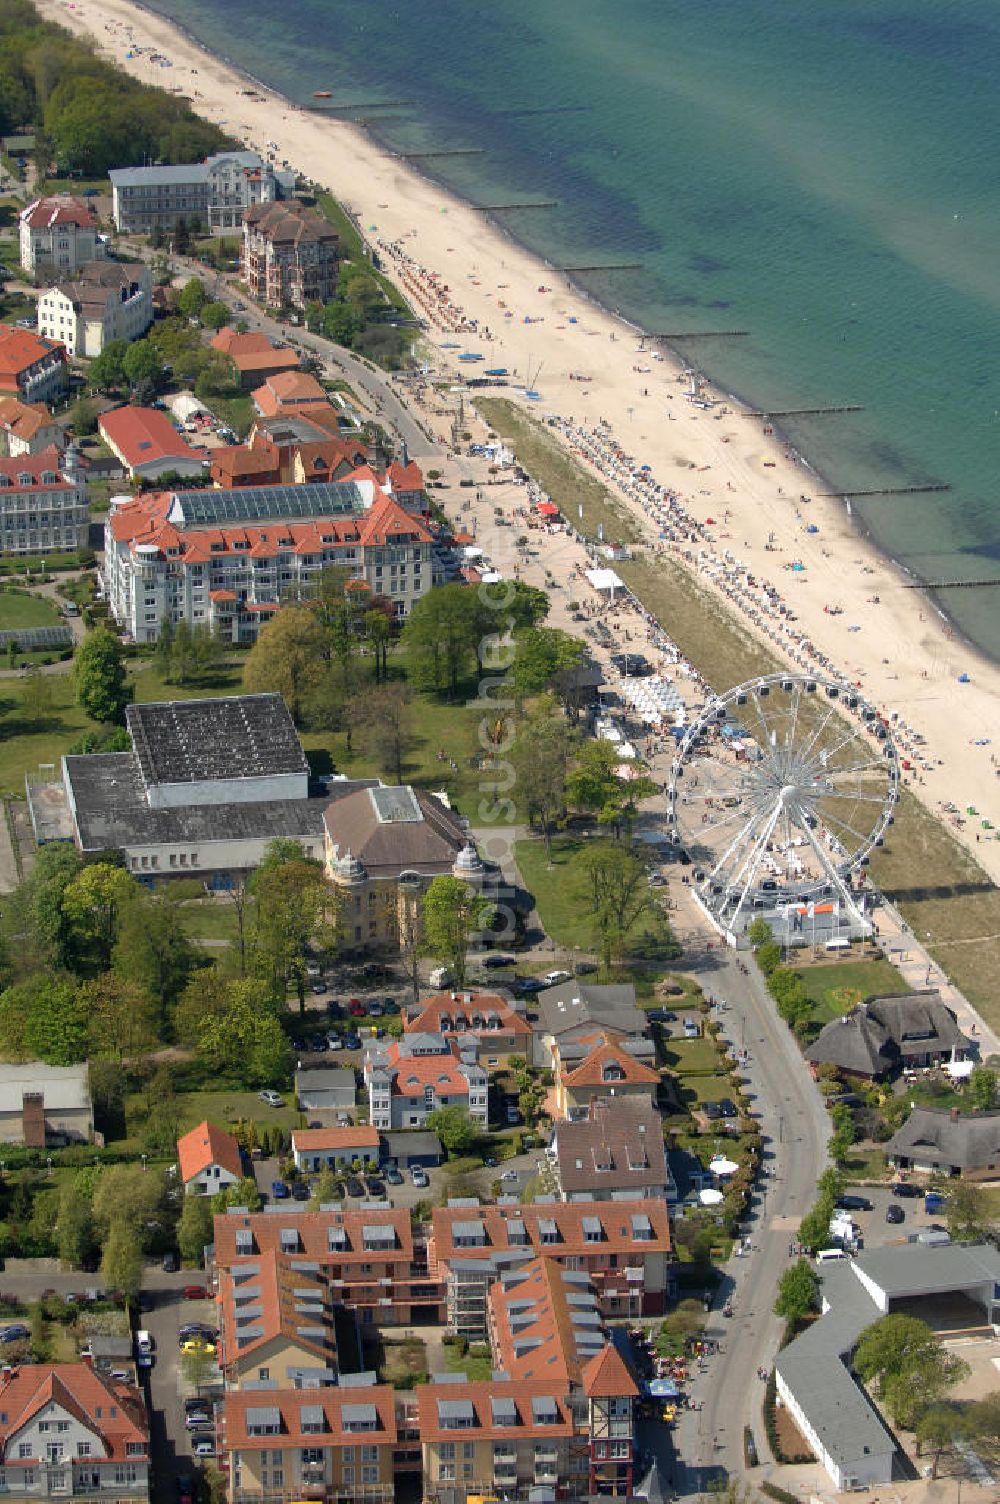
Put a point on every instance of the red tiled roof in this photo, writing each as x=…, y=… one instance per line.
x=387, y=522
x=531, y=1325
x=19, y=349
x=275, y=1281
x=480, y=1395
x=607, y=1376
x=305, y=1140
x=60, y=210
x=590, y=1072
x=34, y=466
x=222, y=595
x=25, y=419
x=481, y=1005
x=313, y=1230
x=236, y=461
x=289, y=389
x=615, y=1218
x=408, y=477
x=208, y=1145
x=113, y=1411
x=290, y=1404
x=141, y=434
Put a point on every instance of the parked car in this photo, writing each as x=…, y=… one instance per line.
x=497, y=963
x=894, y=1214
x=419, y=1178
x=272, y=1098
x=14, y=1331
x=530, y=984
x=203, y=1445
x=169, y=1264
x=313, y=969
x=390, y=1006
x=394, y=1177
x=334, y=1042
x=319, y=986
x=374, y=1010
x=509, y=1175
x=195, y=1329
x=197, y=1419
x=585, y=968
x=198, y=1345
x=194, y=1292
x=354, y=1187
x=906, y=1191
x=854, y=1203
x=712, y=1111
x=553, y=978
x=376, y=1189
x=301, y=1191
x=352, y=1041
x=726, y=1107
x=279, y=1191
x=356, y=1008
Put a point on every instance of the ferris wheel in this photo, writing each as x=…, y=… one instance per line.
x=779, y=792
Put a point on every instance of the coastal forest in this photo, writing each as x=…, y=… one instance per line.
x=88, y=117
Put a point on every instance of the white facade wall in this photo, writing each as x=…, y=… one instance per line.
x=197, y=859
x=143, y=589
x=209, y=1180
x=34, y=521
x=848, y=1474
x=68, y=1457
x=64, y=248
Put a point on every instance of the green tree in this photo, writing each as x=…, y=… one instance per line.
x=287, y=658
x=132, y=1197
x=243, y=1193
x=983, y=1088
x=93, y=903
x=324, y=1190
x=121, y=1264
x=541, y=758
x=443, y=632
x=939, y=1427
x=106, y=372
x=152, y=949
x=596, y=786
x=194, y=1229
x=454, y=1128
x=215, y=315
x=56, y=1028
x=192, y=297
x=296, y=909
x=907, y=1364
x=75, y=1237
x=386, y=718
x=143, y=367
x=102, y=686
x=122, y=1017
x=247, y=1041
x=452, y=913
x=541, y=655
x=198, y=1368
x=182, y=237
x=619, y=895
x=759, y=932
x=769, y=956
x=969, y=1213
x=35, y=912
x=342, y=323
x=798, y=1292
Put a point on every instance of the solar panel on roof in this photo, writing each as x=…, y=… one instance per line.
x=267, y=503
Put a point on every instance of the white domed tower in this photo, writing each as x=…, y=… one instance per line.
x=469, y=867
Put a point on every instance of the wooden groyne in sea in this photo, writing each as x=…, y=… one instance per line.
x=889, y=491
x=364, y=104
x=600, y=266
x=454, y=151
x=702, y=334
x=809, y=412
x=948, y=584
x=535, y=203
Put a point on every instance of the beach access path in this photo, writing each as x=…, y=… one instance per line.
x=718, y=460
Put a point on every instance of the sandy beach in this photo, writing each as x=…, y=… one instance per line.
x=595, y=375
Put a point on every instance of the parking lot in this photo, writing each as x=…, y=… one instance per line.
x=164, y=1312
x=876, y=1231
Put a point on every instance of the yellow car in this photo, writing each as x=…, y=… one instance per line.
x=198, y=1345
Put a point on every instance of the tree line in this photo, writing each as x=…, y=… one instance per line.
x=88, y=115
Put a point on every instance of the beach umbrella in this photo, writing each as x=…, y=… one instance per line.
x=721, y=1166
x=710, y=1197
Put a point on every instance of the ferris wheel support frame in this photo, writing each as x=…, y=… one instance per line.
x=834, y=874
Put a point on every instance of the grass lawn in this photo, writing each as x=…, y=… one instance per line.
x=691, y=1055
x=352, y=248
x=236, y=412
x=696, y=1089
x=562, y=895
x=866, y=1164
x=210, y=919
x=23, y=744
x=222, y=1107
x=150, y=685
x=834, y=988
x=474, y=1366
x=26, y=611
x=570, y=484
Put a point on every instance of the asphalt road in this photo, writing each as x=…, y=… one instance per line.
x=795, y=1131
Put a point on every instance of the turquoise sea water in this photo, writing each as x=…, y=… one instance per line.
x=824, y=175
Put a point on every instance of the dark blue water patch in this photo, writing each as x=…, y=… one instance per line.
x=707, y=265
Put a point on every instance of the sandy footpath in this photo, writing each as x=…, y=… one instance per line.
x=720, y=463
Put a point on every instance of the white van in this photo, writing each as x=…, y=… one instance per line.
x=143, y=1344
x=828, y=1255
x=838, y=942
x=440, y=976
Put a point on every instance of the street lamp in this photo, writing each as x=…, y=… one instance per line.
x=143, y=1158
x=48, y=1165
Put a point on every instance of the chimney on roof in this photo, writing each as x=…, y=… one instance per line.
x=33, y=1119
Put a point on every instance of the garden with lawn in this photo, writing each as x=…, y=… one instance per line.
x=18, y=609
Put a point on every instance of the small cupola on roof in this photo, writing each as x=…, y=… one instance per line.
x=468, y=863
x=347, y=868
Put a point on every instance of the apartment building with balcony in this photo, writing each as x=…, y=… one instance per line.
x=43, y=503
x=104, y=301
x=494, y=1024
x=58, y=235
x=227, y=559
x=369, y=1259
x=414, y=1076
x=288, y=255
x=335, y=1444
x=67, y=1431
x=276, y=1324
x=215, y=193
x=31, y=368
x=624, y=1246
